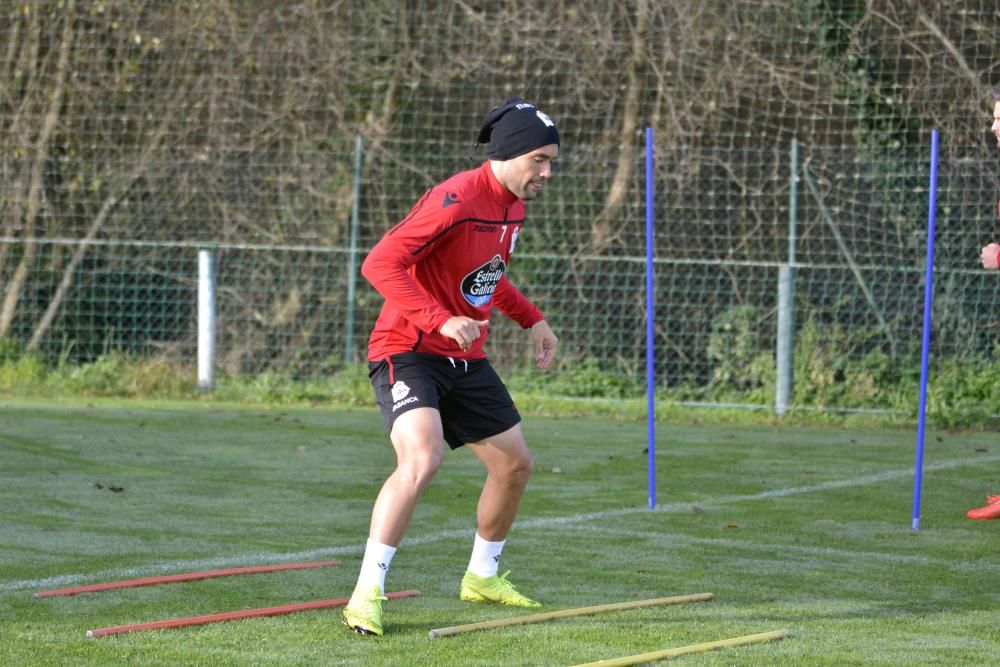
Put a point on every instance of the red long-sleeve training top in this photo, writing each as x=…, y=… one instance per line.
x=447, y=257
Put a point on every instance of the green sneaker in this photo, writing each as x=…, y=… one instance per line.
x=364, y=614
x=493, y=589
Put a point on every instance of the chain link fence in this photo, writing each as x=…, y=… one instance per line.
x=135, y=134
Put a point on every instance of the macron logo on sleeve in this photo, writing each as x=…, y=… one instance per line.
x=449, y=199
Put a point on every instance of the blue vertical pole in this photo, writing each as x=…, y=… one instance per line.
x=925, y=354
x=650, y=320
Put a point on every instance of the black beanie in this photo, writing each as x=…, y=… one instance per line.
x=514, y=128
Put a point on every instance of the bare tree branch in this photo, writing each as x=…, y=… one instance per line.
x=603, y=228
x=963, y=65
x=41, y=156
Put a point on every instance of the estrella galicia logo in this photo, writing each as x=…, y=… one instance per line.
x=449, y=199
x=479, y=284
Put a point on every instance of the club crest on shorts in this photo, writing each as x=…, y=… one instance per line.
x=401, y=395
x=479, y=284
x=400, y=390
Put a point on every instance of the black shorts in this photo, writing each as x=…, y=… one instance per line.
x=473, y=401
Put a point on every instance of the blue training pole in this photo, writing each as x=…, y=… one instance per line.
x=650, y=319
x=925, y=354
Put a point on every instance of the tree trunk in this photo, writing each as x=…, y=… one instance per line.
x=67, y=279
x=603, y=229
x=35, y=193
x=117, y=194
x=16, y=137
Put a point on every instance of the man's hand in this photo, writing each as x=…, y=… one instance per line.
x=991, y=256
x=463, y=330
x=545, y=344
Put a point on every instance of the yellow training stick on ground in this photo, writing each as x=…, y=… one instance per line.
x=684, y=650
x=566, y=613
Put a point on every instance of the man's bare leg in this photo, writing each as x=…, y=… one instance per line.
x=508, y=468
x=418, y=439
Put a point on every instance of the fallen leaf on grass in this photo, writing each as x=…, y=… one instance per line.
x=111, y=487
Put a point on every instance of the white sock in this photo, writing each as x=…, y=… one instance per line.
x=485, y=559
x=375, y=565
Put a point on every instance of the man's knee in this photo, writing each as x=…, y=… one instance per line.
x=418, y=458
x=516, y=467
x=419, y=445
x=521, y=470
x=421, y=462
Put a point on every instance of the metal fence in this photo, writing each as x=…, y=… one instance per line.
x=787, y=134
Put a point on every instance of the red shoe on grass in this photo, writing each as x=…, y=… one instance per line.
x=991, y=511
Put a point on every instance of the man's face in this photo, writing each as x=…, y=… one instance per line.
x=995, y=128
x=526, y=174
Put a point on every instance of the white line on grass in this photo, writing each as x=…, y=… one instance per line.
x=850, y=558
x=867, y=480
x=546, y=522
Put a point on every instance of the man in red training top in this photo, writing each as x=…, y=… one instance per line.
x=441, y=270
x=990, y=256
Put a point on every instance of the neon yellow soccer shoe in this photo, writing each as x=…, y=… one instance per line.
x=363, y=613
x=493, y=589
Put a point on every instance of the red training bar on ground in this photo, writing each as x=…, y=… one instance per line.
x=189, y=576
x=233, y=615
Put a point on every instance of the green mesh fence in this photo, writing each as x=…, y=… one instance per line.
x=133, y=134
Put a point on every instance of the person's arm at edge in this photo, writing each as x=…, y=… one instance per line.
x=991, y=256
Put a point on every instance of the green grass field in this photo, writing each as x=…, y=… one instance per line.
x=804, y=528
